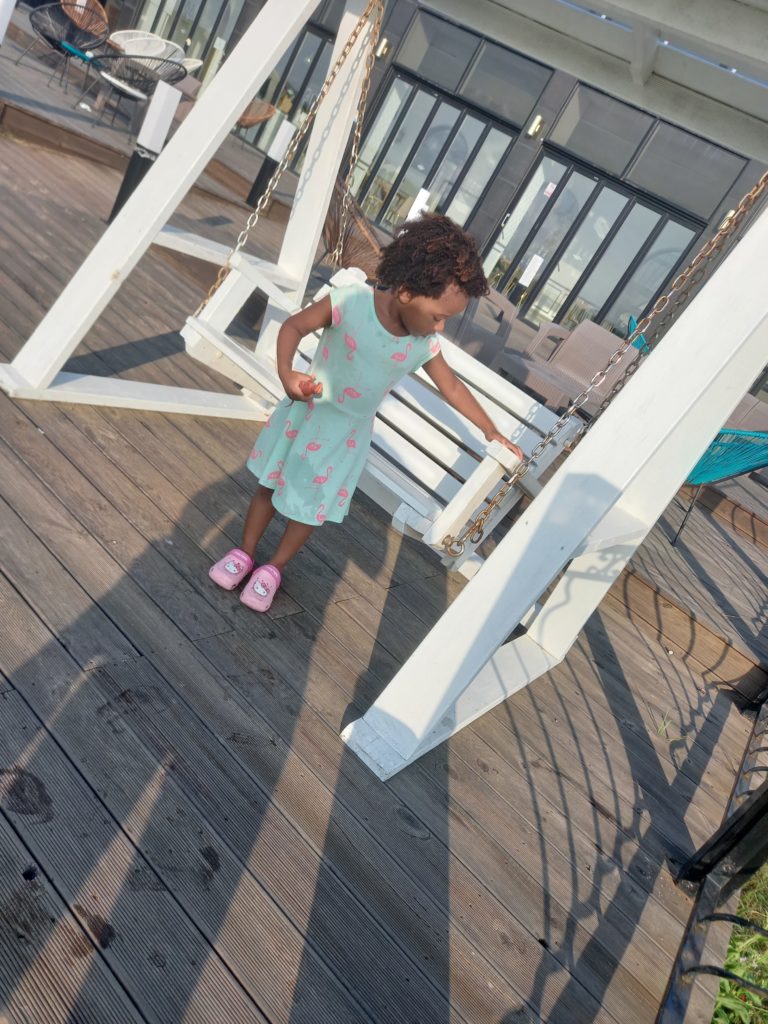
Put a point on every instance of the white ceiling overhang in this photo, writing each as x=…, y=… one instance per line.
x=702, y=64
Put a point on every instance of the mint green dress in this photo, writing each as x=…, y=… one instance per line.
x=312, y=454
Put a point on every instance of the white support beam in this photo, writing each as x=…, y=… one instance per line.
x=645, y=43
x=156, y=197
x=665, y=417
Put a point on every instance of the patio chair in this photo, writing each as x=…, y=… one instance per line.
x=567, y=370
x=133, y=77
x=70, y=31
x=136, y=41
x=732, y=453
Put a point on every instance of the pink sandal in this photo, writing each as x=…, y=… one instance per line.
x=232, y=569
x=260, y=589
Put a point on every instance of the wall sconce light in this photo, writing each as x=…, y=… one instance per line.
x=534, y=128
x=383, y=48
x=726, y=220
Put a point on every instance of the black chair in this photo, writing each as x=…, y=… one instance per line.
x=70, y=31
x=134, y=78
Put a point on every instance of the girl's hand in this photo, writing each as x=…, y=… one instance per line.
x=293, y=381
x=496, y=436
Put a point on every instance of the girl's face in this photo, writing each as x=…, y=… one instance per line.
x=422, y=315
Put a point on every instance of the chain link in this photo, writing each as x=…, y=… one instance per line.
x=373, y=5
x=668, y=305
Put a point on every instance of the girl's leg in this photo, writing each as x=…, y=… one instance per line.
x=294, y=538
x=258, y=518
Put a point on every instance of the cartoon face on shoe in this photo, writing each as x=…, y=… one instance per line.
x=260, y=589
x=233, y=567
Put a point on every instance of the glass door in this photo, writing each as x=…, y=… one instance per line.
x=424, y=151
x=575, y=246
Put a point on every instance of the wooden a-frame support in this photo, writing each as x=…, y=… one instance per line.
x=587, y=521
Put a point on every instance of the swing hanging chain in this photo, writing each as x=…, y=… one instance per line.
x=338, y=252
x=299, y=135
x=678, y=290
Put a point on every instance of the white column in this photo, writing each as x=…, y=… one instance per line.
x=155, y=199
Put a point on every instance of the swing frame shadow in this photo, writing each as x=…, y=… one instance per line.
x=520, y=872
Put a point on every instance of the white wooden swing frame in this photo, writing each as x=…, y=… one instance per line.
x=584, y=525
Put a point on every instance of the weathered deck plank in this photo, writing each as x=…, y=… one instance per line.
x=518, y=873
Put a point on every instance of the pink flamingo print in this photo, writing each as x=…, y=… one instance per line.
x=276, y=474
x=320, y=480
x=313, y=446
x=400, y=357
x=351, y=442
x=310, y=410
x=343, y=494
x=288, y=432
x=320, y=514
x=324, y=352
x=434, y=346
x=256, y=453
x=351, y=344
x=348, y=393
x=336, y=316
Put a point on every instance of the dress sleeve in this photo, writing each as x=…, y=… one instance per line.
x=341, y=300
x=434, y=347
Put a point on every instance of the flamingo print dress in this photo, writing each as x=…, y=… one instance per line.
x=312, y=453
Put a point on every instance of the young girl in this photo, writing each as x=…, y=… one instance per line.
x=311, y=452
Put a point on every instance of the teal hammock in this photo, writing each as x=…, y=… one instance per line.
x=732, y=453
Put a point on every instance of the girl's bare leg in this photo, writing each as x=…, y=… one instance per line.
x=257, y=520
x=294, y=538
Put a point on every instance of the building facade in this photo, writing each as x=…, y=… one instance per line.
x=583, y=204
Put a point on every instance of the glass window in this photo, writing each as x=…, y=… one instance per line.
x=454, y=161
x=685, y=169
x=397, y=152
x=423, y=160
x=551, y=233
x=519, y=222
x=649, y=276
x=203, y=32
x=577, y=256
x=287, y=98
x=505, y=82
x=621, y=251
x=601, y=129
x=437, y=50
x=376, y=137
x=473, y=184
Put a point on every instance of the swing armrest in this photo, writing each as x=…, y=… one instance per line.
x=496, y=450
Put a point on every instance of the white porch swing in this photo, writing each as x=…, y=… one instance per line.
x=430, y=468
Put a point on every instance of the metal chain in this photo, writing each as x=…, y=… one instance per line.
x=678, y=291
x=338, y=252
x=297, y=137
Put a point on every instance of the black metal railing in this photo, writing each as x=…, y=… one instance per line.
x=716, y=871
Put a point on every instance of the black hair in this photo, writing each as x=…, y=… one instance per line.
x=428, y=254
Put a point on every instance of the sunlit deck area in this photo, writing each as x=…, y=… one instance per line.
x=185, y=837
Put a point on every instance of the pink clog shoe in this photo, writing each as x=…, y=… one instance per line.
x=232, y=569
x=259, y=591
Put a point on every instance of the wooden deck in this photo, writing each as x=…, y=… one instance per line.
x=185, y=838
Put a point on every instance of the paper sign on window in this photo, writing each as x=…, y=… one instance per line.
x=550, y=189
x=531, y=270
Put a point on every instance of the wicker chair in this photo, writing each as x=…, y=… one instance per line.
x=133, y=77
x=70, y=31
x=361, y=246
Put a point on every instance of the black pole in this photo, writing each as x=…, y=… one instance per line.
x=139, y=163
x=267, y=169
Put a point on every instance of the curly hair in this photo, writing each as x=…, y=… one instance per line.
x=430, y=253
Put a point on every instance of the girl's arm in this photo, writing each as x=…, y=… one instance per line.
x=313, y=318
x=461, y=398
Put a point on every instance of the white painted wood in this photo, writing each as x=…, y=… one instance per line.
x=127, y=394
x=618, y=527
x=157, y=195
x=511, y=668
x=665, y=416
